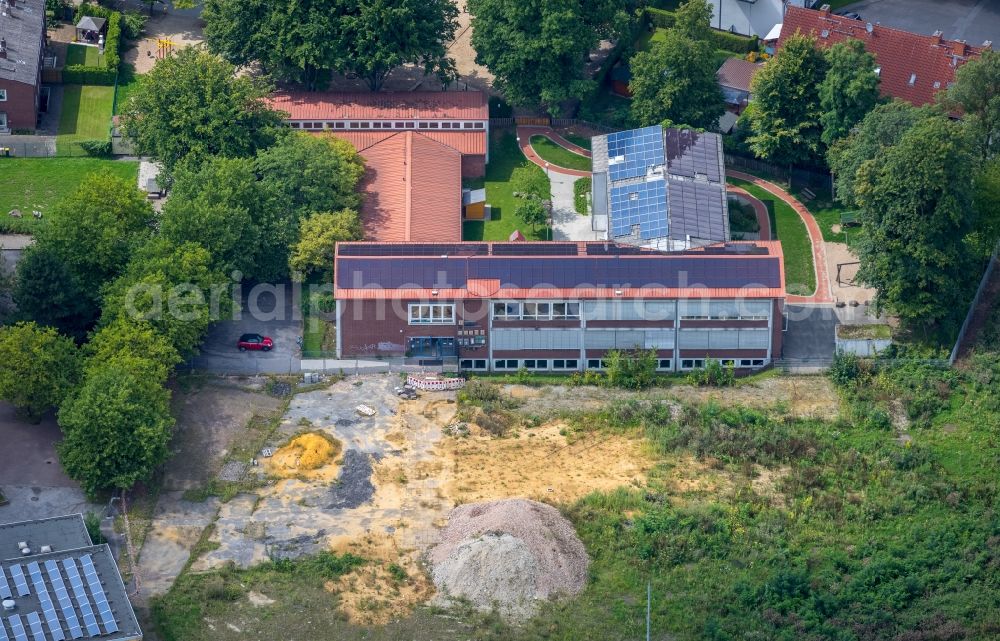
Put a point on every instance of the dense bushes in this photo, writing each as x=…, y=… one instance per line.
x=581, y=190
x=97, y=148
x=84, y=75
x=660, y=18
x=724, y=40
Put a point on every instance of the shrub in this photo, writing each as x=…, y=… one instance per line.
x=93, y=523
x=84, y=75
x=96, y=148
x=134, y=24
x=631, y=370
x=846, y=369
x=714, y=374
x=581, y=189
x=660, y=18
x=733, y=42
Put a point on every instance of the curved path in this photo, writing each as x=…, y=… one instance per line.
x=822, y=295
x=524, y=134
x=763, y=218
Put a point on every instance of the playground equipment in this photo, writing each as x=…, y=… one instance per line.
x=164, y=47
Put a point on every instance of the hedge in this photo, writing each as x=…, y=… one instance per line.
x=581, y=189
x=84, y=75
x=734, y=42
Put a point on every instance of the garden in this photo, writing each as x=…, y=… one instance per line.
x=558, y=155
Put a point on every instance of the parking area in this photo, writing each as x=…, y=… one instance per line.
x=269, y=310
x=31, y=478
x=809, y=332
x=974, y=21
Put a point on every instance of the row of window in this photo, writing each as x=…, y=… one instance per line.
x=726, y=317
x=358, y=125
x=536, y=311
x=432, y=314
x=662, y=364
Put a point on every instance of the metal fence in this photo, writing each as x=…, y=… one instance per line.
x=796, y=177
x=45, y=147
x=994, y=258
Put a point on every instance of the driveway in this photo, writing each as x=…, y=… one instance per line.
x=974, y=21
x=30, y=474
x=566, y=223
x=809, y=333
x=269, y=310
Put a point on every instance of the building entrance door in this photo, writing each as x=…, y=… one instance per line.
x=432, y=346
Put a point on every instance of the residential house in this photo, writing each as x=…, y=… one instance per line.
x=22, y=40
x=735, y=76
x=660, y=188
x=750, y=17
x=912, y=67
x=559, y=306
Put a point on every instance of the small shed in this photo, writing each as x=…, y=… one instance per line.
x=90, y=28
x=474, y=204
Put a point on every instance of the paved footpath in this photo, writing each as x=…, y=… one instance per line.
x=524, y=134
x=763, y=219
x=822, y=295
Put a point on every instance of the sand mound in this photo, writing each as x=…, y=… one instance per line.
x=304, y=453
x=508, y=554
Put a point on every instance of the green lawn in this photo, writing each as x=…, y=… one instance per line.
x=128, y=80
x=559, y=156
x=800, y=277
x=38, y=183
x=83, y=55
x=86, y=115
x=580, y=141
x=505, y=156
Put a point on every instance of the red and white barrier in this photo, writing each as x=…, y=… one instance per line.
x=431, y=383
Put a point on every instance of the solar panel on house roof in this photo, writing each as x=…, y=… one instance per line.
x=17, y=628
x=5, y=592
x=540, y=249
x=631, y=153
x=3, y=631
x=698, y=209
x=415, y=249
x=82, y=602
x=35, y=624
x=643, y=204
x=690, y=153
x=18, y=575
x=62, y=596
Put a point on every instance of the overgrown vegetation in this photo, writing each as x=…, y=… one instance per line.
x=581, y=195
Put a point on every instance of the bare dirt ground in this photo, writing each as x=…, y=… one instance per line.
x=838, y=253
x=182, y=28
x=805, y=396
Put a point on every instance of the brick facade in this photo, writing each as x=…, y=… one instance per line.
x=21, y=105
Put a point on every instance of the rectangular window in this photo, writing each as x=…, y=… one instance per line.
x=317, y=125
x=507, y=311
x=479, y=125
x=465, y=364
x=728, y=362
x=757, y=362
x=423, y=125
x=376, y=125
x=399, y=125
x=535, y=311
x=664, y=363
x=692, y=363
x=411, y=125
x=355, y=125
x=339, y=125
x=435, y=125
x=536, y=364
x=565, y=363
x=466, y=125
x=307, y=125
x=3, y=95
x=480, y=363
x=432, y=314
x=746, y=362
x=596, y=363
x=529, y=364
x=505, y=364
x=294, y=125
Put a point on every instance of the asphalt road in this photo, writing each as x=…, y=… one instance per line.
x=974, y=21
x=268, y=310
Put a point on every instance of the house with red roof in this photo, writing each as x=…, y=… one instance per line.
x=912, y=67
x=417, y=146
x=734, y=77
x=457, y=119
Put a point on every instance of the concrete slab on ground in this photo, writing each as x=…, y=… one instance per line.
x=809, y=332
x=567, y=224
x=176, y=527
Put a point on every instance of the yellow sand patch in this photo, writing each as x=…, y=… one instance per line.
x=540, y=463
x=306, y=454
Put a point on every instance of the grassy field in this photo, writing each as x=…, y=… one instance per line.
x=800, y=277
x=82, y=55
x=86, y=115
x=38, y=183
x=559, y=156
x=128, y=80
x=505, y=156
x=580, y=141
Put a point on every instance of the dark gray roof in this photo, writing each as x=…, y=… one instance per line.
x=71, y=591
x=23, y=29
x=90, y=23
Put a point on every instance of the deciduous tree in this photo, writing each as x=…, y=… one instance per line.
x=784, y=115
x=916, y=215
x=40, y=367
x=880, y=129
x=536, y=48
x=532, y=212
x=193, y=105
x=849, y=90
x=48, y=292
x=132, y=344
x=116, y=428
x=976, y=93
x=318, y=236
x=675, y=80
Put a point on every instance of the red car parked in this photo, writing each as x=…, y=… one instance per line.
x=255, y=341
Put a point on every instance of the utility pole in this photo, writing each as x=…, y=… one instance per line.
x=649, y=603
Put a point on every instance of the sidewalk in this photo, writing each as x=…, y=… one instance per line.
x=822, y=295
x=524, y=134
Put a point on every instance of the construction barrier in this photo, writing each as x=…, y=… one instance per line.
x=432, y=383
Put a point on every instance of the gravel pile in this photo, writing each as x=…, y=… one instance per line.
x=510, y=555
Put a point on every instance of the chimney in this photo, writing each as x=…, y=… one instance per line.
x=825, y=9
x=988, y=44
x=960, y=47
x=938, y=37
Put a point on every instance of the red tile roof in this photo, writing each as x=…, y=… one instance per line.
x=412, y=105
x=413, y=190
x=930, y=61
x=466, y=142
x=737, y=73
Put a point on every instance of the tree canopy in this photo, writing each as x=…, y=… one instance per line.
x=48, y=292
x=40, y=367
x=849, y=90
x=879, y=130
x=116, y=428
x=916, y=214
x=536, y=48
x=304, y=42
x=192, y=105
x=318, y=235
x=675, y=80
x=784, y=115
x=976, y=93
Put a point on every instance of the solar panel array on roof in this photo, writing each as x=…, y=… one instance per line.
x=643, y=204
x=414, y=249
x=698, y=210
x=80, y=595
x=690, y=153
x=613, y=249
x=18, y=575
x=5, y=592
x=533, y=249
x=631, y=153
